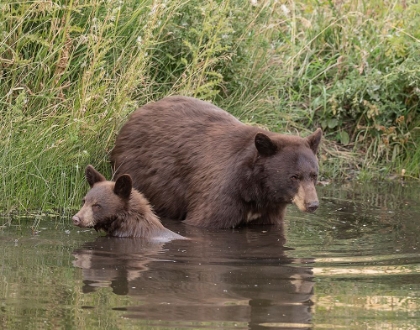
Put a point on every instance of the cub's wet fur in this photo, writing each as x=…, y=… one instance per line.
x=119, y=210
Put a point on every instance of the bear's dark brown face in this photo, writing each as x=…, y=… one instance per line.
x=290, y=169
x=104, y=201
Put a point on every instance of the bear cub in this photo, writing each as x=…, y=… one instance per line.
x=119, y=210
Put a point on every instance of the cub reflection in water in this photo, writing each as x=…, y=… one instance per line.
x=114, y=262
x=241, y=275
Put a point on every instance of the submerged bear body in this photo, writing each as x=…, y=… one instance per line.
x=195, y=162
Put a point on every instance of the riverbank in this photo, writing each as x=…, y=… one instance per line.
x=71, y=73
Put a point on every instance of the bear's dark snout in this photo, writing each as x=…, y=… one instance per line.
x=312, y=206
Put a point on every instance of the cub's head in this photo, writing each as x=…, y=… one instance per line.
x=104, y=201
x=289, y=168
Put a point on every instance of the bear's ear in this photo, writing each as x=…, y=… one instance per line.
x=93, y=176
x=264, y=145
x=123, y=186
x=314, y=140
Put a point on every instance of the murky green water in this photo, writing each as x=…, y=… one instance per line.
x=355, y=264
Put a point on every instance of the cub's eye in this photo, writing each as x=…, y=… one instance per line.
x=314, y=176
x=96, y=206
x=295, y=177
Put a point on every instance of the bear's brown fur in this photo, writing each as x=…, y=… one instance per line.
x=194, y=161
x=119, y=210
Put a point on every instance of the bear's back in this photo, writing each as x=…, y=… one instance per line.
x=185, y=109
x=175, y=119
x=169, y=146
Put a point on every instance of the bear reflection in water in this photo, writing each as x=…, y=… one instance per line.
x=240, y=275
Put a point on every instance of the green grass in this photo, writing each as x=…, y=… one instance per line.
x=71, y=72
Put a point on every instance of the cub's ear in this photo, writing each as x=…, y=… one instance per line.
x=123, y=186
x=314, y=140
x=264, y=145
x=93, y=176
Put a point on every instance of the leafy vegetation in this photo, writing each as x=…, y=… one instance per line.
x=72, y=70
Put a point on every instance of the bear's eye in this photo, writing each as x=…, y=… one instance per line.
x=314, y=176
x=96, y=206
x=295, y=177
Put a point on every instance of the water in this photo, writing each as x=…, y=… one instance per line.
x=355, y=264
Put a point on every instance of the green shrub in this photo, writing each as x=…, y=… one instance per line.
x=356, y=70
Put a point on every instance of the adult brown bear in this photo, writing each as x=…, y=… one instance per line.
x=196, y=162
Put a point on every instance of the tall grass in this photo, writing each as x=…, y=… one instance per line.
x=71, y=71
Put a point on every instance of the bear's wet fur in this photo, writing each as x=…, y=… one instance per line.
x=119, y=210
x=196, y=162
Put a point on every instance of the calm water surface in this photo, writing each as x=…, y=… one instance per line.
x=355, y=264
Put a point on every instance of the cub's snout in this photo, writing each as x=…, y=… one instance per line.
x=76, y=220
x=84, y=218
